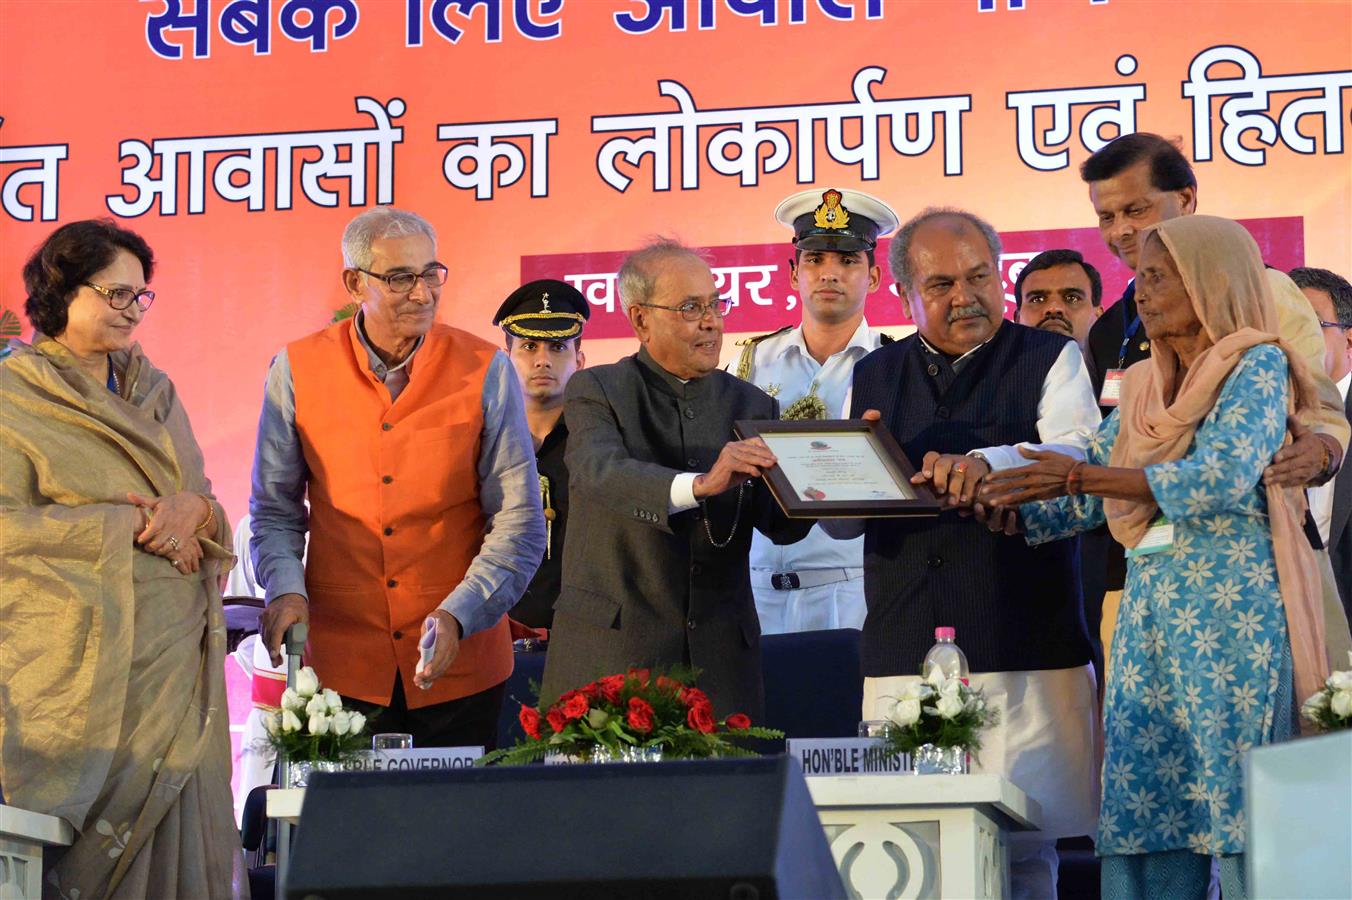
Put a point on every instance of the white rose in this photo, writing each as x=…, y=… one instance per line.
x=949, y=707
x=290, y=722
x=952, y=688
x=906, y=712
x=332, y=700
x=1340, y=681
x=916, y=690
x=319, y=723
x=292, y=701
x=307, y=682
x=272, y=722
x=317, y=706
x=358, y=723
x=1318, y=701
x=936, y=677
x=341, y=722
x=1342, y=704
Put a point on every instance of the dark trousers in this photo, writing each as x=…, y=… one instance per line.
x=467, y=722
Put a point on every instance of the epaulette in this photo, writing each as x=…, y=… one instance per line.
x=748, y=345
x=885, y=338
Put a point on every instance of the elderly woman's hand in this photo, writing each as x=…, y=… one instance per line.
x=171, y=528
x=1300, y=462
x=1044, y=479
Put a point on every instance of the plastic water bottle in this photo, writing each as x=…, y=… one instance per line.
x=945, y=656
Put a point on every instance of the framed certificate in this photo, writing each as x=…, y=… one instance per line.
x=841, y=468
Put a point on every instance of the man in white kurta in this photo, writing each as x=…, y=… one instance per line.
x=818, y=583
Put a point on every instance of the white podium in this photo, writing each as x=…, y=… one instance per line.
x=922, y=836
x=23, y=835
x=1298, y=796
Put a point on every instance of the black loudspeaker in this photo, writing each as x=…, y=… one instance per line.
x=743, y=829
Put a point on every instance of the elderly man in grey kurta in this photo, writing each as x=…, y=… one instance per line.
x=655, y=569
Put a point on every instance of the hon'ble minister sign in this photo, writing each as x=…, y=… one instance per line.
x=846, y=756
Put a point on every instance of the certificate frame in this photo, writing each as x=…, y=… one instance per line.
x=919, y=500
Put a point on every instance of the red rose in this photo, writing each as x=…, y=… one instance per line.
x=556, y=720
x=530, y=721
x=739, y=722
x=693, y=697
x=669, y=684
x=701, y=718
x=590, y=690
x=575, y=705
x=610, y=687
x=640, y=715
x=640, y=675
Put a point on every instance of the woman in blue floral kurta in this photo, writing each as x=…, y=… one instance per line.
x=1201, y=659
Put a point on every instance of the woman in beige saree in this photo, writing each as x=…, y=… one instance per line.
x=112, y=641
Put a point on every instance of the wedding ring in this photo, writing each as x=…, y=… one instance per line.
x=177, y=563
x=172, y=541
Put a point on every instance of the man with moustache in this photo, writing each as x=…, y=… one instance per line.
x=818, y=582
x=663, y=505
x=1330, y=296
x=408, y=440
x=1135, y=181
x=543, y=323
x=1058, y=291
x=960, y=396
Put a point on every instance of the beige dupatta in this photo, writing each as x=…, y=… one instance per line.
x=114, y=715
x=1225, y=279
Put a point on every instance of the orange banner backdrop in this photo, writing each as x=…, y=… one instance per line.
x=238, y=136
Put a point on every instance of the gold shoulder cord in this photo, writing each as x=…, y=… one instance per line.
x=550, y=515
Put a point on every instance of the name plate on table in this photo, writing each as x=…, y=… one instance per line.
x=416, y=760
x=846, y=756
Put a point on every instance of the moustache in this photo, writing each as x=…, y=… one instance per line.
x=1051, y=320
x=959, y=313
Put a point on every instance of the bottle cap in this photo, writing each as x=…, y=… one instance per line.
x=942, y=633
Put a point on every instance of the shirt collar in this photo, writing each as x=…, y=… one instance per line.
x=961, y=360
x=1343, y=384
x=862, y=338
x=376, y=364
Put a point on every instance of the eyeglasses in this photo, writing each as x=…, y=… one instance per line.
x=403, y=282
x=1338, y=325
x=693, y=312
x=121, y=298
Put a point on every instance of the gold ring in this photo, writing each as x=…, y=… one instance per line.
x=172, y=541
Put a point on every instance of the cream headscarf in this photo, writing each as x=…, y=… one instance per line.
x=1224, y=276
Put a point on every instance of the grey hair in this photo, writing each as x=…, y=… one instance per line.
x=374, y=224
x=899, y=251
x=636, y=280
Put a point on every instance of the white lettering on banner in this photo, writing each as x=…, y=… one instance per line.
x=486, y=149
x=736, y=283
x=247, y=154
x=846, y=756
x=243, y=22
x=46, y=174
x=521, y=13
x=1114, y=106
x=747, y=131
x=599, y=288
x=1249, y=97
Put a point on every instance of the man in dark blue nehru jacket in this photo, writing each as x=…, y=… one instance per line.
x=962, y=394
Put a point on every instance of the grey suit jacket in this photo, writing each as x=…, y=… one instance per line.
x=1340, y=535
x=642, y=587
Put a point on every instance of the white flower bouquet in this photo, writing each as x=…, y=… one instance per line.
x=312, y=724
x=939, y=712
x=1331, y=708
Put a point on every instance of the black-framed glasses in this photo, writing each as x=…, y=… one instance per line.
x=1338, y=325
x=692, y=311
x=403, y=282
x=121, y=298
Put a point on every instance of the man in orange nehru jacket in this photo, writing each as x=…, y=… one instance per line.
x=409, y=440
